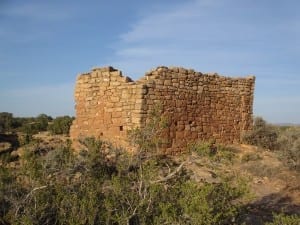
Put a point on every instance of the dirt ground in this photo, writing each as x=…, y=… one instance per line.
x=274, y=188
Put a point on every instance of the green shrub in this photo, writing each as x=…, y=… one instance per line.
x=262, y=135
x=6, y=121
x=31, y=126
x=210, y=204
x=225, y=154
x=281, y=219
x=61, y=188
x=289, y=147
x=61, y=125
x=284, y=140
x=201, y=148
x=216, y=153
x=150, y=138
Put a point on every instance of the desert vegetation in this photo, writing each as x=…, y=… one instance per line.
x=103, y=184
x=283, y=140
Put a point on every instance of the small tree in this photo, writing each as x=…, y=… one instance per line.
x=61, y=125
x=6, y=121
x=263, y=135
x=289, y=147
x=42, y=121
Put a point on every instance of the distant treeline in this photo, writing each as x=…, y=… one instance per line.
x=34, y=125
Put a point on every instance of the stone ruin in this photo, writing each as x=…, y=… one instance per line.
x=197, y=106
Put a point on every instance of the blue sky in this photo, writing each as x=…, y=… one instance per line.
x=44, y=45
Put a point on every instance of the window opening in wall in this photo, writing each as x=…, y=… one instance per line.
x=176, y=123
x=121, y=128
x=101, y=134
x=190, y=122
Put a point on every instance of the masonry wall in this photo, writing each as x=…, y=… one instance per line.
x=107, y=105
x=197, y=106
x=200, y=106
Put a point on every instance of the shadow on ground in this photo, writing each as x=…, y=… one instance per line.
x=261, y=211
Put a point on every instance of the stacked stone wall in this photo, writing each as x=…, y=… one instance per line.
x=200, y=106
x=107, y=106
x=197, y=106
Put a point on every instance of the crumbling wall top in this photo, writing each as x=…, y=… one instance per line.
x=107, y=73
x=163, y=71
x=159, y=72
x=104, y=69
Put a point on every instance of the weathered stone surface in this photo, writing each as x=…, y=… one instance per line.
x=197, y=105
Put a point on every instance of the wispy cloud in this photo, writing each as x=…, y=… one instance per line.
x=30, y=21
x=45, y=11
x=228, y=37
x=201, y=34
x=24, y=35
x=180, y=22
